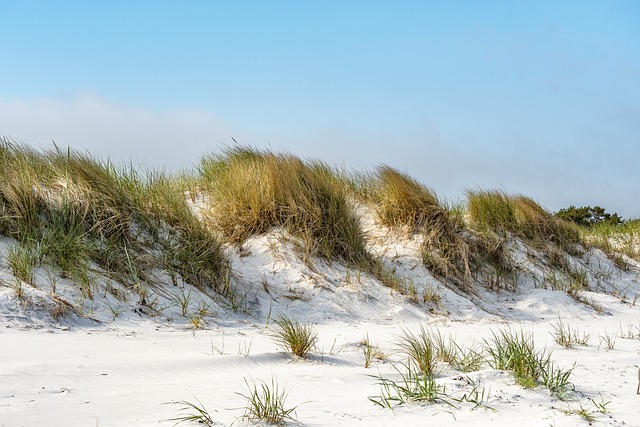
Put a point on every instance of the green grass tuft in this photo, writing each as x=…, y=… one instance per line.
x=267, y=403
x=81, y=213
x=291, y=335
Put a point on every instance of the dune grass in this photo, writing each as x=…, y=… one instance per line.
x=515, y=351
x=253, y=192
x=267, y=403
x=294, y=336
x=617, y=241
x=495, y=217
x=498, y=212
x=85, y=216
x=89, y=218
x=401, y=201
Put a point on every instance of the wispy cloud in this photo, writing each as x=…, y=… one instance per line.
x=556, y=171
x=89, y=123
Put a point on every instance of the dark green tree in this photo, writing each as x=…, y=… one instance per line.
x=588, y=216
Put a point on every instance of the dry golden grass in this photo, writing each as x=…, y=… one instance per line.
x=401, y=201
x=497, y=212
x=253, y=191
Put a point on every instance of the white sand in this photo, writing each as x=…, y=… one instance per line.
x=126, y=367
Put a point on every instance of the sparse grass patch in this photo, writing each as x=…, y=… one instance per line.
x=267, y=403
x=555, y=379
x=19, y=288
x=371, y=351
x=585, y=413
x=431, y=296
x=468, y=359
x=23, y=261
x=193, y=413
x=568, y=337
x=415, y=386
x=515, y=351
x=608, y=340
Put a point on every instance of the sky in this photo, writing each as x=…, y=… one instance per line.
x=536, y=97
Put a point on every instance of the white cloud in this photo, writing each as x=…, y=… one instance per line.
x=88, y=123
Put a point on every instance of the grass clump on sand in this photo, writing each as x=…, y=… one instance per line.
x=267, y=403
x=494, y=216
x=414, y=386
x=252, y=192
x=291, y=335
x=188, y=248
x=515, y=351
x=421, y=349
x=87, y=217
x=494, y=211
x=402, y=201
x=616, y=240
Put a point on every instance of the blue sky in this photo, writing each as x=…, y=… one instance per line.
x=534, y=97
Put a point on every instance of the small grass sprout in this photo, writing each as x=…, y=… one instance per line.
x=192, y=413
x=583, y=412
x=478, y=397
x=371, y=352
x=600, y=406
x=568, y=337
x=609, y=340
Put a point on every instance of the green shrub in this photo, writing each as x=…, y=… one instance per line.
x=587, y=216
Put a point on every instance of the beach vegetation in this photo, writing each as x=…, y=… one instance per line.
x=294, y=336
